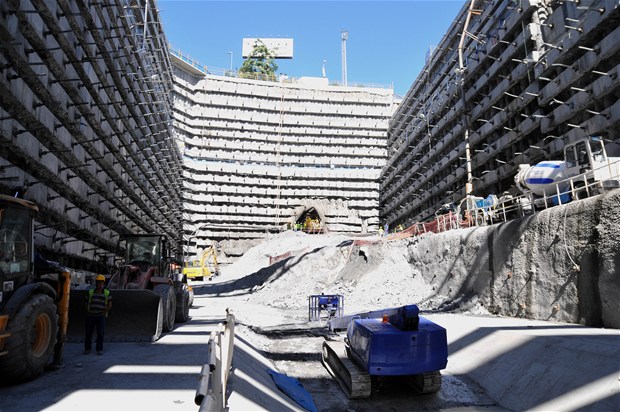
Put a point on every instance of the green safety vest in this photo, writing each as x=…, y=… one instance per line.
x=106, y=293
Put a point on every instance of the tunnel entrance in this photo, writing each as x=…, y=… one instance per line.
x=310, y=222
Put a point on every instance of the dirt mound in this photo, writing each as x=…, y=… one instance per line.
x=284, y=270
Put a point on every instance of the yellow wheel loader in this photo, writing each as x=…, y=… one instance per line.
x=149, y=295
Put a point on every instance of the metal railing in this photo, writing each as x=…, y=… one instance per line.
x=216, y=71
x=558, y=193
x=475, y=211
x=187, y=59
x=327, y=305
x=211, y=390
x=509, y=207
x=363, y=84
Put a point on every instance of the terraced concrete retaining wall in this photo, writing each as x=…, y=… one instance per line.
x=561, y=264
x=260, y=155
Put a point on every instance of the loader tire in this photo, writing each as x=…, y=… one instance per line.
x=166, y=292
x=182, y=310
x=30, y=347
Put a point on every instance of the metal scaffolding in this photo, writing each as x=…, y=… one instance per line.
x=86, y=113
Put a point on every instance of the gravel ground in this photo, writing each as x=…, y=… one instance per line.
x=270, y=305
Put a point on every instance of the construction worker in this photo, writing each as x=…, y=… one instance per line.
x=307, y=224
x=98, y=303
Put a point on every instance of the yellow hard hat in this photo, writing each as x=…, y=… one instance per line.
x=100, y=277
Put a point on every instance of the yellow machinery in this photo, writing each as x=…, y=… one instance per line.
x=206, y=267
x=150, y=294
x=34, y=298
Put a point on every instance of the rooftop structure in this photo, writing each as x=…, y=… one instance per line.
x=281, y=48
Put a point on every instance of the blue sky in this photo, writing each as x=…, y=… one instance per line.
x=387, y=43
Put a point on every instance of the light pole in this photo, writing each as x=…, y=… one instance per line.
x=469, y=186
x=231, y=61
x=344, y=35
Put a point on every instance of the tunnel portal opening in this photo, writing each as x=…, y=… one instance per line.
x=310, y=222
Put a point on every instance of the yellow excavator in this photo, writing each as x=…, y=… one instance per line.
x=206, y=267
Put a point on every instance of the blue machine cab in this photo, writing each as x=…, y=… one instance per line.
x=401, y=343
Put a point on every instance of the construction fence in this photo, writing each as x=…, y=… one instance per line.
x=211, y=391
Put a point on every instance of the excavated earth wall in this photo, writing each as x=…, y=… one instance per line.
x=560, y=264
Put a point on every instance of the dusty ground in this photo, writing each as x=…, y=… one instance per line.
x=528, y=364
x=295, y=352
x=271, y=305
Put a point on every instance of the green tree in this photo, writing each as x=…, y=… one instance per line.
x=259, y=64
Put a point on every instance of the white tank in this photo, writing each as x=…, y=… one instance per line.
x=542, y=177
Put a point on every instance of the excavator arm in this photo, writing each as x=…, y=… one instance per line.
x=209, y=253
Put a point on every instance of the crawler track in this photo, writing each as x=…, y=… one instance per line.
x=353, y=379
x=426, y=382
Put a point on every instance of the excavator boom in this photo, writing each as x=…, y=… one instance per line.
x=206, y=268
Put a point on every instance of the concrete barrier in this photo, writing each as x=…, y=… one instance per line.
x=561, y=264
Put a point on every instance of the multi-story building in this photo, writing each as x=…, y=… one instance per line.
x=511, y=82
x=85, y=132
x=262, y=156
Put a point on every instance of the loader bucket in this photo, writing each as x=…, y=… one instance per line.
x=136, y=316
